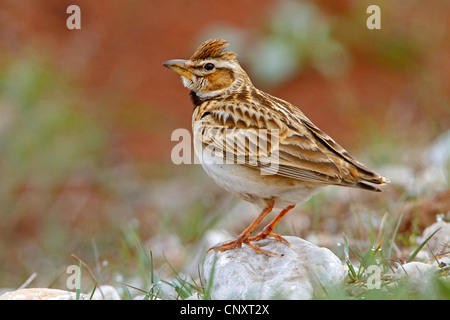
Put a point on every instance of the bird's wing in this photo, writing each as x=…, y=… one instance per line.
x=362, y=171
x=261, y=139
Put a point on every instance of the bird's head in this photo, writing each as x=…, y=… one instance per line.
x=210, y=72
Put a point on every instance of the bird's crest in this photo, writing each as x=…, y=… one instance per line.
x=213, y=49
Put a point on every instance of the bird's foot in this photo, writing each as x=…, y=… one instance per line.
x=230, y=245
x=236, y=243
x=264, y=234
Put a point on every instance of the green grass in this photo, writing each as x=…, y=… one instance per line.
x=156, y=284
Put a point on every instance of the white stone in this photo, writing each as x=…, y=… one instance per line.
x=42, y=294
x=101, y=293
x=440, y=261
x=439, y=243
x=295, y=273
x=106, y=293
x=418, y=274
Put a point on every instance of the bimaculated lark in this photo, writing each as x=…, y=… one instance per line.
x=259, y=147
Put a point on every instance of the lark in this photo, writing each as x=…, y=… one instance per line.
x=272, y=155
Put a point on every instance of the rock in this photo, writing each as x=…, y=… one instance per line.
x=42, y=294
x=101, y=293
x=106, y=293
x=440, y=261
x=296, y=273
x=440, y=241
x=418, y=274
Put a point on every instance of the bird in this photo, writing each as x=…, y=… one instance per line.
x=258, y=147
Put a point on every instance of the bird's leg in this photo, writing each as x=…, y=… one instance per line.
x=267, y=231
x=244, y=236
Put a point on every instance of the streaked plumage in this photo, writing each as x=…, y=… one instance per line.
x=230, y=117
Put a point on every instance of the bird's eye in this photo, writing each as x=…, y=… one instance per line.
x=208, y=66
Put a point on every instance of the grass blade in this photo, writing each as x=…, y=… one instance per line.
x=93, y=291
x=211, y=279
x=394, y=235
x=414, y=254
x=78, y=288
x=351, y=270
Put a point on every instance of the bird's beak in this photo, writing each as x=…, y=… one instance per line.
x=179, y=66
